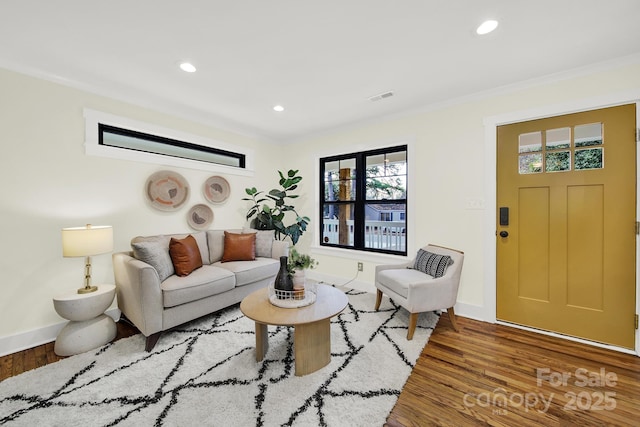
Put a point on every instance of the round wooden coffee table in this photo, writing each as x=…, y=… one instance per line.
x=312, y=325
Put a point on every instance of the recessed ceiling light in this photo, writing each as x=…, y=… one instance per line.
x=188, y=67
x=486, y=27
x=278, y=108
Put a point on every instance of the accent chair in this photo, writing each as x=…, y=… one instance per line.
x=428, y=282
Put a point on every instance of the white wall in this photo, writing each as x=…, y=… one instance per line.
x=447, y=148
x=47, y=183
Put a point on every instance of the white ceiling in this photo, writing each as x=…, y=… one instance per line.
x=321, y=60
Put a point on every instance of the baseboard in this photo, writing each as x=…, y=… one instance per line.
x=470, y=311
x=35, y=337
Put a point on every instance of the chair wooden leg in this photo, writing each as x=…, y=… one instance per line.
x=413, y=321
x=378, y=299
x=452, y=317
x=152, y=340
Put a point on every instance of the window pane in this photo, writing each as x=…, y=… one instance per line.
x=558, y=161
x=587, y=135
x=339, y=181
x=137, y=141
x=558, y=138
x=385, y=226
x=387, y=176
x=530, y=163
x=530, y=142
x=338, y=224
x=343, y=190
x=590, y=158
x=331, y=171
x=375, y=165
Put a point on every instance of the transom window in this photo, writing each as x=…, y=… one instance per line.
x=561, y=150
x=364, y=200
x=138, y=141
x=111, y=136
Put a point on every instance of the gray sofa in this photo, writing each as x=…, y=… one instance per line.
x=154, y=298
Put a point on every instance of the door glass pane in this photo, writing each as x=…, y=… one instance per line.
x=387, y=176
x=530, y=163
x=558, y=138
x=338, y=224
x=339, y=180
x=530, y=142
x=590, y=158
x=587, y=135
x=385, y=226
x=558, y=161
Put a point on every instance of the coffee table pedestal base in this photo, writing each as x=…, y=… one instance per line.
x=262, y=341
x=311, y=345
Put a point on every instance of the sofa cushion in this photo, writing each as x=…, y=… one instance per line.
x=185, y=255
x=215, y=241
x=247, y=272
x=154, y=251
x=201, y=283
x=432, y=264
x=264, y=241
x=399, y=280
x=203, y=246
x=239, y=247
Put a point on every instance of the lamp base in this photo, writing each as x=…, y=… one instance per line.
x=87, y=289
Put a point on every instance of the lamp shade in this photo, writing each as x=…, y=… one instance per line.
x=87, y=241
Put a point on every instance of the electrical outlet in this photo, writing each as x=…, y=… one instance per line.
x=359, y=266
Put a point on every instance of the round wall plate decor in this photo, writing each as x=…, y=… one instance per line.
x=216, y=189
x=167, y=190
x=200, y=217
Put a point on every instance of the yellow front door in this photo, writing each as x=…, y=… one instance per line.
x=566, y=194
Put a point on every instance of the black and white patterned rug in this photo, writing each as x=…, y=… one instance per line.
x=205, y=373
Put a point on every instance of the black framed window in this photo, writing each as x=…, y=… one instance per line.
x=127, y=139
x=363, y=200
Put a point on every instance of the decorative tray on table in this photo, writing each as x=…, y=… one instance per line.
x=299, y=297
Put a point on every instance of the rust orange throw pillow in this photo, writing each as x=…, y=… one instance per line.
x=185, y=255
x=239, y=247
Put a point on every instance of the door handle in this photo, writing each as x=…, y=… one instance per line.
x=504, y=233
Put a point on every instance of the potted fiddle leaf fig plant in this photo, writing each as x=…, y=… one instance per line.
x=270, y=210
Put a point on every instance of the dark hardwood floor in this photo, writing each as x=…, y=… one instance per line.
x=487, y=375
x=497, y=375
x=17, y=363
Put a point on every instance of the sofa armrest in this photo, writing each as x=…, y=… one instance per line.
x=280, y=248
x=139, y=292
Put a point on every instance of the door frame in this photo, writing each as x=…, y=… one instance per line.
x=491, y=145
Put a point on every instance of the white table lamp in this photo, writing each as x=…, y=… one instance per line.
x=86, y=242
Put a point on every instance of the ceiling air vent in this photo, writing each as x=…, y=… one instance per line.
x=380, y=96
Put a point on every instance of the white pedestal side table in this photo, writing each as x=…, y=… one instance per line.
x=88, y=326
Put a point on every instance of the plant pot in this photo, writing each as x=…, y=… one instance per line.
x=298, y=278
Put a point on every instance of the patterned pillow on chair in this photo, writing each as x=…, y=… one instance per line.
x=432, y=264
